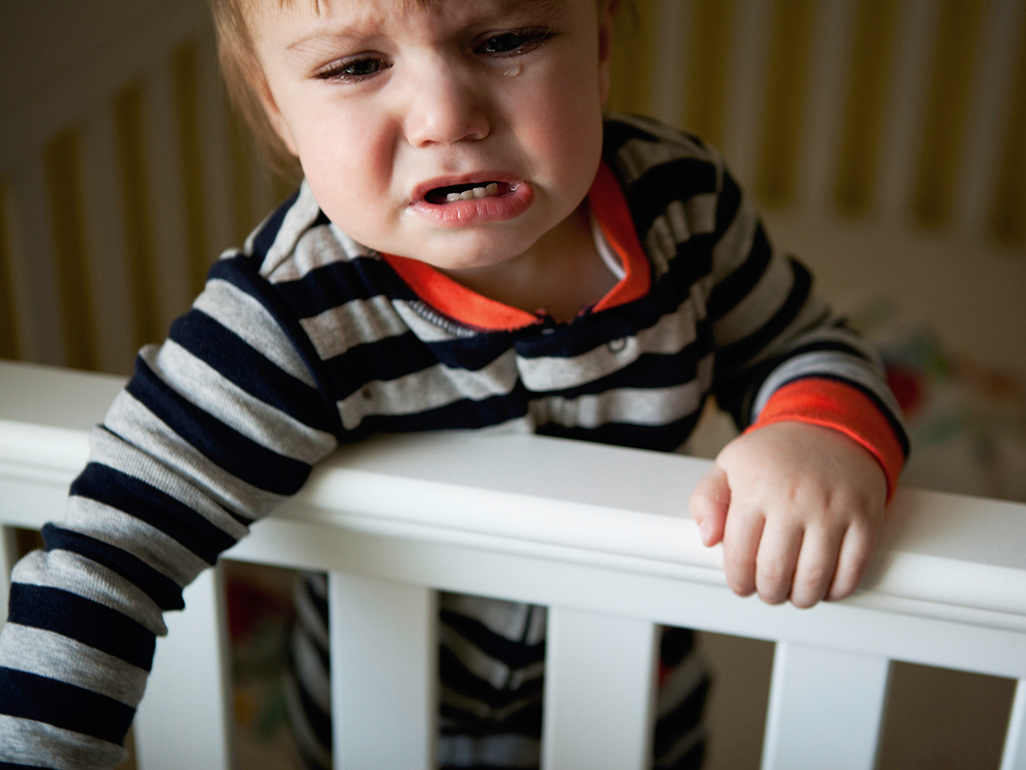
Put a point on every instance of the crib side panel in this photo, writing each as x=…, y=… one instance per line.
x=599, y=691
x=186, y=719
x=7, y=557
x=384, y=656
x=1014, y=757
x=826, y=708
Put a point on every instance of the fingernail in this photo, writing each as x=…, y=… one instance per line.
x=705, y=531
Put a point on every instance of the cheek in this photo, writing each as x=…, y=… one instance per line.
x=567, y=127
x=346, y=161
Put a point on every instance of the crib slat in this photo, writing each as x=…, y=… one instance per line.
x=7, y=557
x=1014, y=756
x=384, y=657
x=825, y=709
x=599, y=692
x=186, y=719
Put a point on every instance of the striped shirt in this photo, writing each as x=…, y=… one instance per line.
x=305, y=339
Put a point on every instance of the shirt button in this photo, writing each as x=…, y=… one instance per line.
x=615, y=346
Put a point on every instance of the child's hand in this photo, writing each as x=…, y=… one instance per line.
x=798, y=509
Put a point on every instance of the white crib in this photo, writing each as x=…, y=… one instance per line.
x=549, y=522
x=122, y=175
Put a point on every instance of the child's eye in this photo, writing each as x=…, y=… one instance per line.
x=514, y=42
x=351, y=69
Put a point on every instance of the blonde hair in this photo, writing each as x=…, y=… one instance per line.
x=241, y=70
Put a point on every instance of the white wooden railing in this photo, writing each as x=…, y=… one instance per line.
x=600, y=535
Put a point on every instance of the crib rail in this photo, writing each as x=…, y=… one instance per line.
x=600, y=535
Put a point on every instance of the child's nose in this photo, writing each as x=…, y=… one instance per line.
x=446, y=105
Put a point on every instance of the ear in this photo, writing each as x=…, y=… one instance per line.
x=258, y=82
x=607, y=13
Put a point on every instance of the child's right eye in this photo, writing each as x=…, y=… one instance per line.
x=351, y=69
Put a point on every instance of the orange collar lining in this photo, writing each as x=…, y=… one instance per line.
x=456, y=301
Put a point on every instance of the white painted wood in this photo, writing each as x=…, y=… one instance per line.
x=7, y=557
x=825, y=709
x=185, y=719
x=1014, y=756
x=599, y=692
x=551, y=525
x=384, y=659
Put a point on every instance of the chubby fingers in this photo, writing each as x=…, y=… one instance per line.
x=709, y=503
x=777, y=559
x=816, y=568
x=781, y=560
x=853, y=561
x=741, y=543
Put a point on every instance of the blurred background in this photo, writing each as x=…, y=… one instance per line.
x=884, y=141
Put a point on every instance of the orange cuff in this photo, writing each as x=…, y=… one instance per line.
x=833, y=404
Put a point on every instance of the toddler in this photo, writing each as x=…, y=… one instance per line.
x=475, y=244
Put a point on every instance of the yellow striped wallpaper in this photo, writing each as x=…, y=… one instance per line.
x=8, y=319
x=64, y=181
x=186, y=86
x=947, y=104
x=139, y=251
x=1009, y=218
x=709, y=54
x=708, y=76
x=784, y=97
x=862, y=129
x=632, y=65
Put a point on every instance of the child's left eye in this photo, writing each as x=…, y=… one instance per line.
x=514, y=42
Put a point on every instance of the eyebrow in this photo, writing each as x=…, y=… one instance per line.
x=369, y=25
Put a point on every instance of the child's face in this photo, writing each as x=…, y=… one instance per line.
x=390, y=111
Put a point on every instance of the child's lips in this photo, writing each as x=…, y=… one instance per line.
x=461, y=201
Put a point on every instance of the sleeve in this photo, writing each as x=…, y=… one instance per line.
x=781, y=352
x=216, y=427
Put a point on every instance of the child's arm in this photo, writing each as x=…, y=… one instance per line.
x=215, y=429
x=798, y=499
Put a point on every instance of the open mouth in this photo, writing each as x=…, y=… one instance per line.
x=466, y=192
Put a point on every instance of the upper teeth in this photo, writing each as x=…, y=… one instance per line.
x=477, y=192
